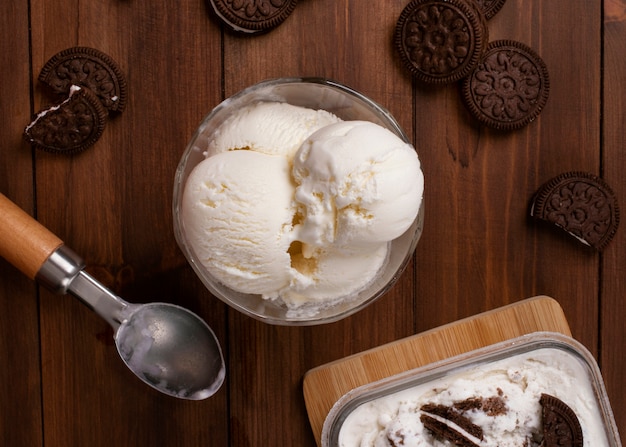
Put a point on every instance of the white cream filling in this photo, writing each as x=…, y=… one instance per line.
x=457, y=428
x=40, y=115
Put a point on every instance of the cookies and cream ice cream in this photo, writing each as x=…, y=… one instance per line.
x=296, y=205
x=501, y=400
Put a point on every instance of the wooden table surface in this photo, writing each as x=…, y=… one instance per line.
x=61, y=381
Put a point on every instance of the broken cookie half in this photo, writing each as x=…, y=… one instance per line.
x=561, y=427
x=88, y=87
x=71, y=126
x=581, y=204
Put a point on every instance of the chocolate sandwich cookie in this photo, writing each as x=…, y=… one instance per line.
x=71, y=126
x=509, y=87
x=581, y=204
x=448, y=424
x=561, y=427
x=89, y=68
x=490, y=7
x=441, y=41
x=251, y=16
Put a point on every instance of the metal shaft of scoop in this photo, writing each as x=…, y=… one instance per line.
x=63, y=273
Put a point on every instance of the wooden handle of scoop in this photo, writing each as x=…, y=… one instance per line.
x=24, y=242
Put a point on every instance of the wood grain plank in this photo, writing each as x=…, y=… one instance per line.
x=479, y=249
x=20, y=379
x=351, y=44
x=613, y=306
x=112, y=204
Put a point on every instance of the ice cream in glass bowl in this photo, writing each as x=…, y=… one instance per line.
x=298, y=201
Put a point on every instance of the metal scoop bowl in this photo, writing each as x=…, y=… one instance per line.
x=168, y=347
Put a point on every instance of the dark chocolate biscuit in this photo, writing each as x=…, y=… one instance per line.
x=490, y=7
x=581, y=204
x=90, y=68
x=441, y=41
x=561, y=427
x=252, y=16
x=509, y=87
x=442, y=421
x=71, y=126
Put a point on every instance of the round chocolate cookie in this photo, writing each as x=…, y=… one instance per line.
x=441, y=41
x=90, y=68
x=490, y=7
x=561, y=426
x=252, y=16
x=509, y=87
x=70, y=127
x=581, y=204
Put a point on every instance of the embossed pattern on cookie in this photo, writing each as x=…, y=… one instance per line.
x=490, y=7
x=449, y=424
x=580, y=203
x=89, y=68
x=561, y=427
x=252, y=16
x=441, y=41
x=509, y=87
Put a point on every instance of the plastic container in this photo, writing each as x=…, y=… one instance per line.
x=446, y=371
x=313, y=93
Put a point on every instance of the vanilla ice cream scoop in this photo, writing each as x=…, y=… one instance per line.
x=241, y=223
x=275, y=128
x=358, y=184
x=332, y=273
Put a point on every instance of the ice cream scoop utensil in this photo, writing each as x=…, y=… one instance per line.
x=168, y=347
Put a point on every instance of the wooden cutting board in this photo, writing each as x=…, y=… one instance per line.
x=324, y=385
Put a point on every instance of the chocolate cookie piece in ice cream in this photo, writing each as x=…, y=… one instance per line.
x=501, y=397
x=561, y=427
x=448, y=423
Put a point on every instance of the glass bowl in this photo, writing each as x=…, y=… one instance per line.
x=314, y=93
